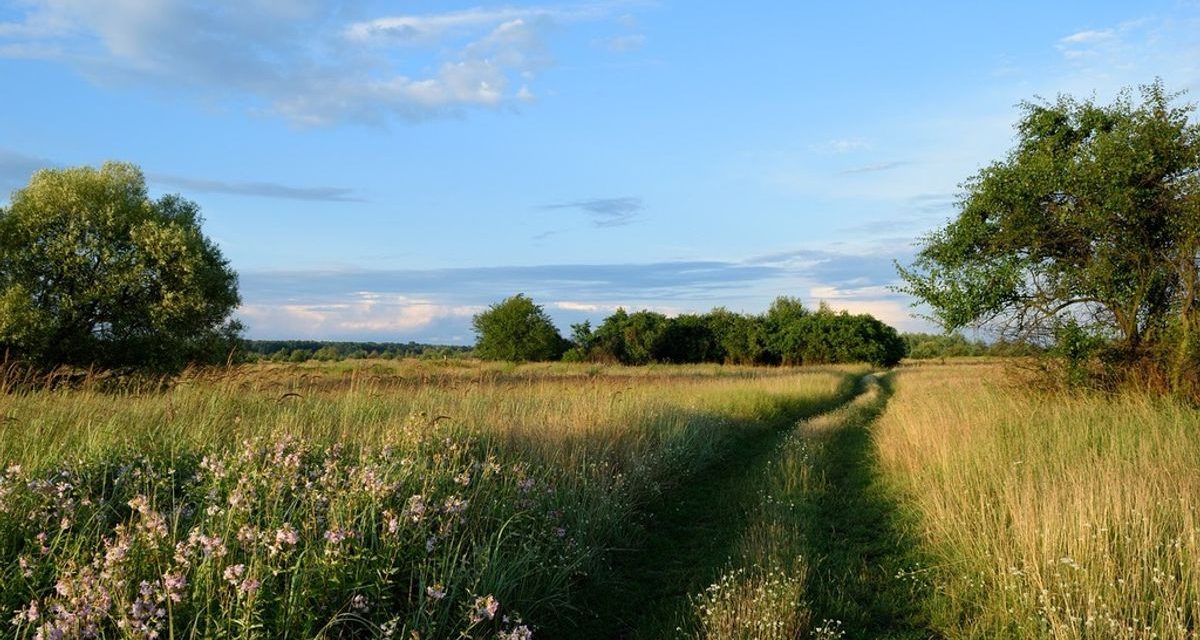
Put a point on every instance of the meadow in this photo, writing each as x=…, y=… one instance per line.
x=409, y=500
x=1046, y=514
x=458, y=499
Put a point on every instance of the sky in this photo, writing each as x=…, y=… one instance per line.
x=386, y=170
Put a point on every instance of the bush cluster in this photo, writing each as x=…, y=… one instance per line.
x=787, y=334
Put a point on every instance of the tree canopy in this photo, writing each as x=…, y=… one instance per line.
x=1091, y=223
x=786, y=334
x=95, y=272
x=517, y=330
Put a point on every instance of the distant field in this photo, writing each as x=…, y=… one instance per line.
x=456, y=499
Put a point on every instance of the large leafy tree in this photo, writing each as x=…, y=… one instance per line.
x=1091, y=222
x=95, y=272
x=517, y=330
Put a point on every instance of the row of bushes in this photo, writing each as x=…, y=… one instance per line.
x=788, y=333
x=302, y=350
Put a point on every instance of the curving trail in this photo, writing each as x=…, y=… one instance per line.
x=849, y=525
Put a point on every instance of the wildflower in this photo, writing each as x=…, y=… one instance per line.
x=233, y=573
x=525, y=485
x=285, y=536
x=485, y=608
x=463, y=478
x=436, y=592
x=454, y=504
x=391, y=521
x=27, y=614
x=249, y=586
x=416, y=508
x=360, y=603
x=337, y=535
x=210, y=546
x=247, y=536
x=430, y=543
x=521, y=632
x=174, y=584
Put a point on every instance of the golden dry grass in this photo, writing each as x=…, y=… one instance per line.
x=1050, y=515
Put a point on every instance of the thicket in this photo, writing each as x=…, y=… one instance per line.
x=926, y=346
x=302, y=350
x=787, y=334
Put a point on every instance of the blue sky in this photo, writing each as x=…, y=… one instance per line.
x=385, y=170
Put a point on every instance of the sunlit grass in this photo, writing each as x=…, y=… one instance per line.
x=441, y=499
x=1050, y=515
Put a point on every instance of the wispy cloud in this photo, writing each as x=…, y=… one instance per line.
x=437, y=303
x=874, y=168
x=358, y=314
x=1134, y=51
x=259, y=189
x=16, y=169
x=605, y=212
x=305, y=61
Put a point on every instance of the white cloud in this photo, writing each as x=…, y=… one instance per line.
x=825, y=292
x=1089, y=37
x=364, y=314
x=590, y=307
x=301, y=59
x=1132, y=52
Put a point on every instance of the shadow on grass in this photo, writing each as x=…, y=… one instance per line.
x=685, y=539
x=860, y=548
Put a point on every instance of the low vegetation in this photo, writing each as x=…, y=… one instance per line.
x=406, y=500
x=1047, y=515
x=787, y=334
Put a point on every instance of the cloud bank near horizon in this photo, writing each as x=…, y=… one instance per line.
x=436, y=305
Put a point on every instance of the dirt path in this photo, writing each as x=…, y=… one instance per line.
x=862, y=550
x=852, y=529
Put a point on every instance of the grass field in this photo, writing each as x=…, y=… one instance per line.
x=414, y=500
x=1047, y=515
x=466, y=500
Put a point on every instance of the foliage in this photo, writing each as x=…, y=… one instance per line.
x=282, y=349
x=1093, y=218
x=94, y=272
x=517, y=330
x=924, y=346
x=786, y=334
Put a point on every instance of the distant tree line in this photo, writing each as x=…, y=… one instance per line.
x=926, y=346
x=303, y=350
x=788, y=334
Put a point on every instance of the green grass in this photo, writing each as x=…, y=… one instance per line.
x=308, y=502
x=456, y=500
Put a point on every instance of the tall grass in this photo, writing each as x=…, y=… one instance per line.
x=416, y=500
x=767, y=592
x=1051, y=516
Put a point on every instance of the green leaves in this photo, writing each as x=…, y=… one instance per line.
x=517, y=330
x=94, y=272
x=1091, y=217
